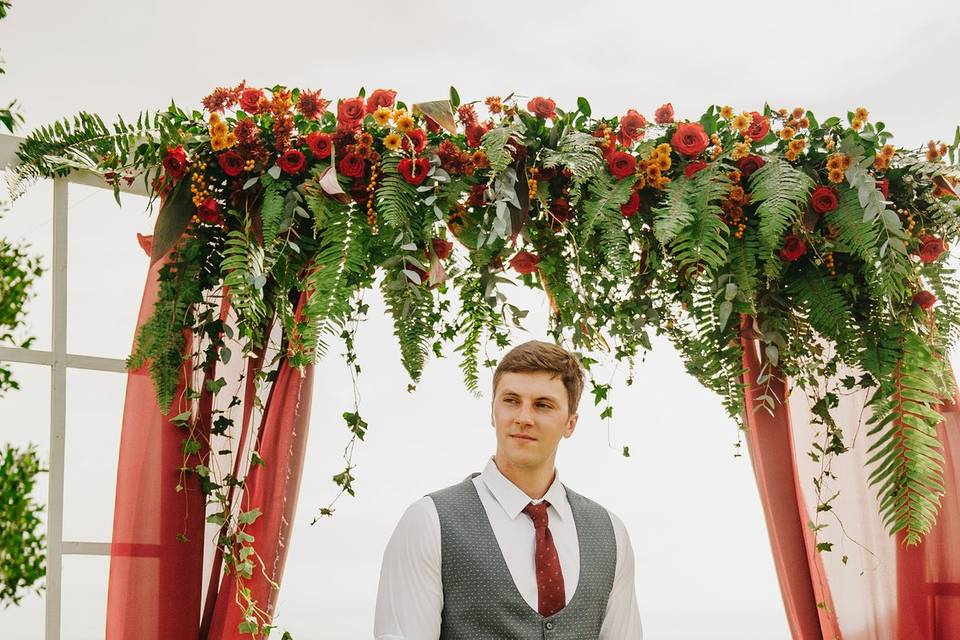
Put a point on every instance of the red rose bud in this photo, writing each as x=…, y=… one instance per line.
x=689, y=139
x=631, y=206
x=209, y=211
x=924, y=299
x=621, y=164
x=351, y=165
x=474, y=133
x=292, y=161
x=561, y=210
x=793, y=248
x=542, y=107
x=884, y=186
x=414, y=171
x=350, y=113
x=175, y=162
x=525, y=262
x=664, y=115
x=380, y=98
x=693, y=167
x=250, y=100
x=748, y=165
x=419, y=138
x=931, y=248
x=231, y=162
x=759, y=127
x=442, y=248
x=320, y=144
x=823, y=199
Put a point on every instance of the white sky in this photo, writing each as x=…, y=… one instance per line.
x=703, y=562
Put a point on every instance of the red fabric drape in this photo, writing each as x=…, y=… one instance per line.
x=274, y=489
x=770, y=445
x=155, y=579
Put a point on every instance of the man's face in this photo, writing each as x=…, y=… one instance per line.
x=529, y=414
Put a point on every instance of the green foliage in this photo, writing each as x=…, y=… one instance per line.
x=676, y=212
x=18, y=273
x=395, y=199
x=828, y=311
x=606, y=195
x=494, y=144
x=782, y=192
x=702, y=242
x=412, y=309
x=578, y=152
x=906, y=453
x=243, y=270
x=271, y=211
x=22, y=543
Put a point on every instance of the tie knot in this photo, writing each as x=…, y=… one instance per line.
x=538, y=512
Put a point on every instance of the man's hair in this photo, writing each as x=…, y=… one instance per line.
x=536, y=355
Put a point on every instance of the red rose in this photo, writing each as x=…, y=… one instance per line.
x=474, y=133
x=525, y=262
x=693, y=167
x=350, y=113
x=690, y=139
x=442, y=248
x=884, y=186
x=823, y=199
x=542, y=107
x=631, y=126
x=931, y=247
x=292, y=161
x=351, y=165
x=621, y=164
x=320, y=144
x=561, y=210
x=793, y=248
x=231, y=162
x=924, y=299
x=759, y=127
x=209, y=211
x=419, y=138
x=380, y=98
x=175, y=162
x=631, y=206
x=414, y=171
x=664, y=115
x=432, y=125
x=748, y=165
x=250, y=100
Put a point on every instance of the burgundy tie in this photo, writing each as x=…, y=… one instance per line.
x=550, y=594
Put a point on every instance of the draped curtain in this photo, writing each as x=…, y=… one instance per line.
x=164, y=566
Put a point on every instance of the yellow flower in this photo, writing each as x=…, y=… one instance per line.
x=887, y=151
x=218, y=128
x=405, y=124
x=382, y=115
x=861, y=113
x=741, y=150
x=791, y=155
x=218, y=143
x=392, y=141
x=726, y=112
x=396, y=114
x=797, y=145
x=828, y=144
x=663, y=150
x=857, y=124
x=787, y=132
x=653, y=173
x=835, y=161
x=214, y=118
x=835, y=176
x=231, y=139
x=741, y=122
x=364, y=139
x=663, y=163
x=881, y=164
x=798, y=112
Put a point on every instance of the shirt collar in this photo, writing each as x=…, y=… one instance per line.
x=513, y=499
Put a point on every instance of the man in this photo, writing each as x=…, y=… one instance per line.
x=511, y=553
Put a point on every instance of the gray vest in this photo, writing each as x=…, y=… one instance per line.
x=481, y=600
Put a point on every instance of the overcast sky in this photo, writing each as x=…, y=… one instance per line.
x=690, y=506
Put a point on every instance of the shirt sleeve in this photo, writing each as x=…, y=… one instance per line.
x=410, y=593
x=622, y=618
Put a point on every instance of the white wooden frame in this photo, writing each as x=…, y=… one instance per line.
x=59, y=361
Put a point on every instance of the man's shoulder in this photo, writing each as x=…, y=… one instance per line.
x=452, y=490
x=592, y=505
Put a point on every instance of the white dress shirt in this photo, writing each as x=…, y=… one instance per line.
x=410, y=594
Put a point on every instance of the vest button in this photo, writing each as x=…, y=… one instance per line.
x=548, y=625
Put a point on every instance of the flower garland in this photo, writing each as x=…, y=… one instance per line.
x=825, y=240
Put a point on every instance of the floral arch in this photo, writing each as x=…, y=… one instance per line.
x=767, y=245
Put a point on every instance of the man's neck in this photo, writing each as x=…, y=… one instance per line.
x=532, y=481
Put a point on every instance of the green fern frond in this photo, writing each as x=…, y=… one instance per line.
x=396, y=198
x=578, y=152
x=782, y=193
x=854, y=236
x=702, y=241
x=411, y=308
x=827, y=310
x=906, y=452
x=494, y=144
x=271, y=212
x=243, y=271
x=606, y=197
x=675, y=213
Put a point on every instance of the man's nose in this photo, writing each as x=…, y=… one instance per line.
x=525, y=415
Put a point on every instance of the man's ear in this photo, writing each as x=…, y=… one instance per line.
x=571, y=425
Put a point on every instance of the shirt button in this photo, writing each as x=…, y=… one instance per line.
x=548, y=625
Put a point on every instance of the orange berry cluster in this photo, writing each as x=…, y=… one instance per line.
x=371, y=188
x=198, y=184
x=828, y=261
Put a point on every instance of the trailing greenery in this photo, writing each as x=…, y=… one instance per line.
x=22, y=544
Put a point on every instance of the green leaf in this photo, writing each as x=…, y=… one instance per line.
x=249, y=517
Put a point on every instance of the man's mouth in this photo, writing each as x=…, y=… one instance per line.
x=521, y=437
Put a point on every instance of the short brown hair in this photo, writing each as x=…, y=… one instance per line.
x=536, y=355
